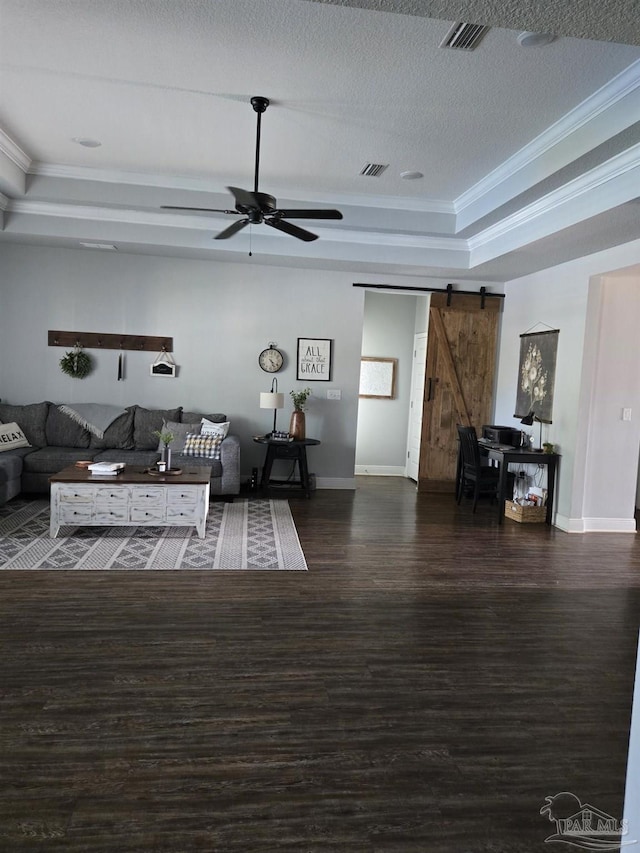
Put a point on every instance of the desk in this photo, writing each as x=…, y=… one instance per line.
x=520, y=456
x=293, y=450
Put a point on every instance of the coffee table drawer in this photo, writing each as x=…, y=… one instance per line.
x=111, y=514
x=141, y=514
x=181, y=515
x=185, y=495
x=75, y=513
x=147, y=495
x=76, y=493
x=108, y=495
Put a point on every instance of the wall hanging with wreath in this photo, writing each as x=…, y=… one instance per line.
x=76, y=363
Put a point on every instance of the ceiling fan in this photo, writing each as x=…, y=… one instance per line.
x=261, y=208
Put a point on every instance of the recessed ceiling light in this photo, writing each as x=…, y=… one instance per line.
x=535, y=39
x=411, y=176
x=87, y=142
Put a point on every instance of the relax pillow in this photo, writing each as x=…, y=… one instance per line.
x=210, y=428
x=207, y=446
x=11, y=436
x=179, y=431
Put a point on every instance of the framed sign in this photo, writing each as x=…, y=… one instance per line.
x=378, y=377
x=536, y=375
x=314, y=359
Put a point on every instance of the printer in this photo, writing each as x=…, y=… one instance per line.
x=502, y=435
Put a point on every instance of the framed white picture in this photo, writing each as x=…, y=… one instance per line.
x=314, y=359
x=378, y=378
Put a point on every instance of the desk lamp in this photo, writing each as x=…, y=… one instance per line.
x=272, y=400
x=528, y=421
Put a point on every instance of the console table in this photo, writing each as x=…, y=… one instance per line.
x=295, y=451
x=521, y=456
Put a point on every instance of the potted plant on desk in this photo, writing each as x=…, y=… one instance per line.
x=297, y=427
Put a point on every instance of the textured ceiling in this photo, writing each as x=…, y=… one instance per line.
x=499, y=133
x=609, y=20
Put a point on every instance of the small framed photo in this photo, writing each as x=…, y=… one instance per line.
x=378, y=378
x=314, y=359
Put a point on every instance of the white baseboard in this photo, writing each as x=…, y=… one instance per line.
x=595, y=525
x=380, y=470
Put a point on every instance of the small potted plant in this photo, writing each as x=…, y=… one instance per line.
x=548, y=447
x=297, y=427
x=166, y=438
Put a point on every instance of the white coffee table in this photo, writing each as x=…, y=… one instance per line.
x=132, y=497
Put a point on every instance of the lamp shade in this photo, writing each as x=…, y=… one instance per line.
x=271, y=400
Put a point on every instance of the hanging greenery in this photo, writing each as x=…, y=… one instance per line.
x=76, y=363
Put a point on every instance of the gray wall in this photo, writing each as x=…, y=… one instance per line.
x=220, y=317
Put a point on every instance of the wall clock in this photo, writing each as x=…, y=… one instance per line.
x=271, y=359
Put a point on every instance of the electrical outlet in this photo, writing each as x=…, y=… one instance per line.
x=626, y=414
x=334, y=394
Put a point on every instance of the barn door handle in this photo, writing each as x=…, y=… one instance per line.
x=429, y=389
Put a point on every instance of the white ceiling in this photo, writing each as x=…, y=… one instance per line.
x=530, y=156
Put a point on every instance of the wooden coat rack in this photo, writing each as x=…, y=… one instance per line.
x=98, y=340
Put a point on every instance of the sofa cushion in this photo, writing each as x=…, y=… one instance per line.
x=62, y=431
x=179, y=432
x=196, y=418
x=190, y=463
x=140, y=458
x=11, y=464
x=31, y=419
x=50, y=460
x=147, y=421
x=11, y=437
x=118, y=435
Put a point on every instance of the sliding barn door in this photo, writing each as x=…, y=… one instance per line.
x=461, y=357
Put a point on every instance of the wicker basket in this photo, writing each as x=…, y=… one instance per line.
x=525, y=514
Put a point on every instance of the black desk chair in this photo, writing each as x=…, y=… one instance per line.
x=474, y=477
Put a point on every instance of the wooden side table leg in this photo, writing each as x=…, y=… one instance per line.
x=304, y=471
x=268, y=465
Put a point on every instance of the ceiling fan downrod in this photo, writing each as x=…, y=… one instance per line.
x=259, y=104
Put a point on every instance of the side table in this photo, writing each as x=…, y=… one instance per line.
x=295, y=451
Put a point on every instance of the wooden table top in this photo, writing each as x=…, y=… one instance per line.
x=132, y=474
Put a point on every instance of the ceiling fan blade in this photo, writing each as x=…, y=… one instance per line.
x=247, y=201
x=232, y=229
x=309, y=214
x=200, y=209
x=290, y=228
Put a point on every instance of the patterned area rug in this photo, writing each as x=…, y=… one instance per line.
x=256, y=534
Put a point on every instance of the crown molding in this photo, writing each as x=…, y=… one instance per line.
x=129, y=216
x=12, y=150
x=617, y=167
x=606, y=98
x=203, y=184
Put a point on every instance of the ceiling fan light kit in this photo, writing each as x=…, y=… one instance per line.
x=261, y=208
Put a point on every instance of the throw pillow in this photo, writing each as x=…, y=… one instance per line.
x=62, y=431
x=32, y=418
x=207, y=446
x=194, y=417
x=118, y=435
x=180, y=432
x=210, y=428
x=11, y=436
x=147, y=421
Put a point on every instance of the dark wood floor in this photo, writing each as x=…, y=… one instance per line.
x=424, y=687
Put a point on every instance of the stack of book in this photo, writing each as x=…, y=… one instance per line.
x=106, y=468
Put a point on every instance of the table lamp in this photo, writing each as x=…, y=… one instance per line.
x=528, y=421
x=272, y=400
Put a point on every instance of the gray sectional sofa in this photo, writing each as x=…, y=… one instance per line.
x=57, y=441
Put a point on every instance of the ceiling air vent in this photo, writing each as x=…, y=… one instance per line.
x=373, y=170
x=464, y=36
